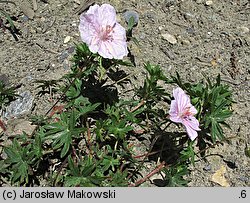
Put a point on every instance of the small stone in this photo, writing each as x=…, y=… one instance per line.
x=190, y=30
x=199, y=1
x=209, y=3
x=185, y=42
x=77, y=1
x=71, y=49
x=18, y=126
x=207, y=167
x=66, y=39
x=24, y=18
x=170, y=38
x=133, y=14
x=243, y=30
x=243, y=178
x=42, y=19
x=26, y=9
x=22, y=105
x=160, y=28
x=169, y=3
x=63, y=56
x=219, y=178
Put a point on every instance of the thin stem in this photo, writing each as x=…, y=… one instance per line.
x=144, y=179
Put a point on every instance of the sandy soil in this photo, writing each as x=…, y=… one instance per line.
x=206, y=37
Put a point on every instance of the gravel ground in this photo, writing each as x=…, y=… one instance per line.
x=193, y=37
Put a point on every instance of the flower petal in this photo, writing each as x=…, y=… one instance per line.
x=173, y=112
x=192, y=134
x=107, y=15
x=183, y=100
x=192, y=110
x=192, y=125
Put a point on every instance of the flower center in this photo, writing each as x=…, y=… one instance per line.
x=186, y=113
x=106, y=33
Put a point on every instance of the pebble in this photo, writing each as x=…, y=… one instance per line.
x=209, y=3
x=131, y=13
x=243, y=30
x=190, y=30
x=17, y=126
x=169, y=3
x=77, y=1
x=170, y=38
x=24, y=18
x=207, y=167
x=66, y=39
x=185, y=42
x=199, y=1
x=243, y=179
x=63, y=56
x=20, y=106
x=42, y=19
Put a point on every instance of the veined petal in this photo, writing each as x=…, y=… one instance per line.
x=183, y=101
x=107, y=15
x=88, y=28
x=192, y=134
x=103, y=50
x=93, y=9
x=117, y=49
x=192, y=122
x=192, y=110
x=175, y=119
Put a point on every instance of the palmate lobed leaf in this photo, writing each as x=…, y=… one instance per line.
x=78, y=181
x=63, y=131
x=108, y=162
x=119, y=130
x=19, y=158
x=174, y=176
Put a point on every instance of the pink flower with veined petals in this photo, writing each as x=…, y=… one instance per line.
x=102, y=33
x=182, y=111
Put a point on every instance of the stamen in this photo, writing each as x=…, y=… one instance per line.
x=106, y=33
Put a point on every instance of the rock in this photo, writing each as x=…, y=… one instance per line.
x=207, y=167
x=190, y=30
x=133, y=14
x=185, y=42
x=77, y=1
x=63, y=56
x=18, y=126
x=169, y=3
x=199, y=1
x=26, y=9
x=34, y=5
x=209, y=3
x=219, y=178
x=66, y=39
x=170, y=38
x=243, y=30
x=20, y=106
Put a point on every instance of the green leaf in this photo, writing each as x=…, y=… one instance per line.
x=18, y=159
x=73, y=168
x=131, y=23
x=175, y=176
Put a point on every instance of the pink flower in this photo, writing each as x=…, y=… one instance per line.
x=182, y=111
x=102, y=33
